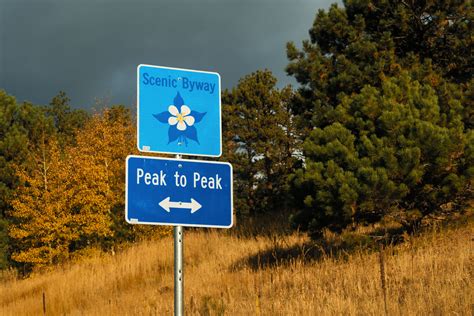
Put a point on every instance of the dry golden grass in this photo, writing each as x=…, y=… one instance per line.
x=230, y=275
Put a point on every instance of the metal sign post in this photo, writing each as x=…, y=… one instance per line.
x=178, y=271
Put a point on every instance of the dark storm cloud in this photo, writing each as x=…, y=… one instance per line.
x=90, y=49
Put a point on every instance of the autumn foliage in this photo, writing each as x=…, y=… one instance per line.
x=71, y=198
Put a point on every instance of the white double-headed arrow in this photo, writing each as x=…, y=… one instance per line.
x=193, y=205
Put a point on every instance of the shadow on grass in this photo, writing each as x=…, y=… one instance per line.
x=278, y=256
x=337, y=247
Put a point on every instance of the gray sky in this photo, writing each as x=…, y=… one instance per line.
x=90, y=49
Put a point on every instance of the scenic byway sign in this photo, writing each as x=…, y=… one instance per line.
x=179, y=111
x=163, y=191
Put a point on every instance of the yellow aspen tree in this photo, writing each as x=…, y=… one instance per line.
x=62, y=206
x=90, y=203
x=41, y=229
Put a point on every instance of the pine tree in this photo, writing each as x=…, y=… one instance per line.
x=65, y=120
x=386, y=103
x=260, y=142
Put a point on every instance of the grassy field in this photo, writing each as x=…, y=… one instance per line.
x=228, y=274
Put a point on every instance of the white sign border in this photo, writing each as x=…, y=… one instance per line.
x=138, y=112
x=180, y=224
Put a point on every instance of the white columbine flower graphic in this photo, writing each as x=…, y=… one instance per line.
x=183, y=119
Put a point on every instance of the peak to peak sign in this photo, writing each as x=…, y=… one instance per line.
x=182, y=192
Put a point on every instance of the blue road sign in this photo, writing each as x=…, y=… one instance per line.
x=161, y=191
x=179, y=111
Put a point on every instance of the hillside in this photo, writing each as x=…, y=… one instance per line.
x=230, y=275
